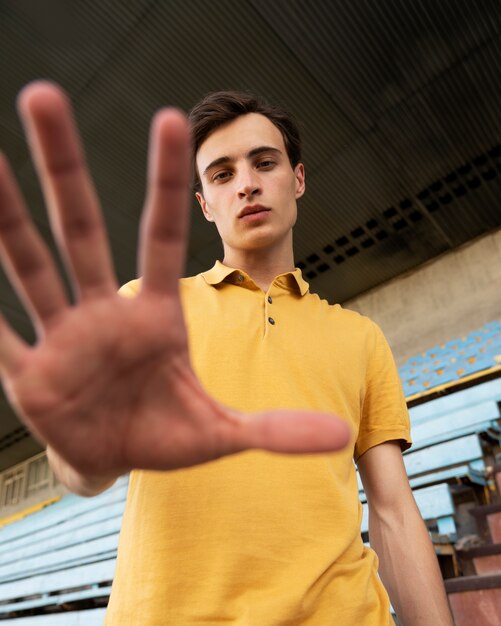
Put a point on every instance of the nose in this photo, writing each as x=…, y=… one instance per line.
x=248, y=184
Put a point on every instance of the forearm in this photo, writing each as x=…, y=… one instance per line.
x=77, y=483
x=409, y=568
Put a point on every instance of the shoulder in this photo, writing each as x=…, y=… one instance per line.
x=192, y=282
x=133, y=287
x=350, y=320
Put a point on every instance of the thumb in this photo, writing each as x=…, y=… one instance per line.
x=295, y=432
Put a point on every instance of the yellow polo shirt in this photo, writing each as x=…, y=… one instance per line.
x=258, y=538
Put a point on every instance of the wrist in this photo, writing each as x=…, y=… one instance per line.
x=85, y=485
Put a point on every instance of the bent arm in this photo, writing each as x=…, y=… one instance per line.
x=408, y=565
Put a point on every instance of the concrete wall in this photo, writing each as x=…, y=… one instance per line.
x=441, y=300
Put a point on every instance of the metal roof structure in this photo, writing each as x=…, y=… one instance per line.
x=398, y=104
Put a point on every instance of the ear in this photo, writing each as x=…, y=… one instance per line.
x=205, y=208
x=300, y=180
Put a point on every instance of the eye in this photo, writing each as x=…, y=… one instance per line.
x=266, y=163
x=221, y=175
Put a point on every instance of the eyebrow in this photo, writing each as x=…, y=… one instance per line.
x=249, y=155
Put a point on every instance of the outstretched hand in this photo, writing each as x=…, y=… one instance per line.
x=108, y=386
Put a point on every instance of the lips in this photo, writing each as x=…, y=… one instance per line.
x=252, y=209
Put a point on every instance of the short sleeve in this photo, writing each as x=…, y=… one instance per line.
x=384, y=415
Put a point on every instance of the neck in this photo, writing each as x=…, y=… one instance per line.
x=262, y=265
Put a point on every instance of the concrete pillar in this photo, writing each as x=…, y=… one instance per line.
x=441, y=300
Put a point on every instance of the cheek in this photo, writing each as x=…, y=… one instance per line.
x=289, y=184
x=219, y=199
x=221, y=213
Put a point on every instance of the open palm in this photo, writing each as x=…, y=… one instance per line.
x=108, y=386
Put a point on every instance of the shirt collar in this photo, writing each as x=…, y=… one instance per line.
x=219, y=272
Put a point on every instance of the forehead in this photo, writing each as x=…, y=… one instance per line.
x=236, y=138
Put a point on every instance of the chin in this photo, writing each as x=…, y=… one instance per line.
x=259, y=238
x=257, y=241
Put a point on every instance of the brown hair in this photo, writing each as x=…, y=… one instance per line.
x=221, y=107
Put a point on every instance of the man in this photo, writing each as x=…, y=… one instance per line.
x=255, y=538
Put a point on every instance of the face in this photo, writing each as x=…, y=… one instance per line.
x=249, y=188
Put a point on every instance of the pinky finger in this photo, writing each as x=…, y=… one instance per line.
x=13, y=350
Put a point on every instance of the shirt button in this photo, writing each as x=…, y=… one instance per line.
x=241, y=278
x=270, y=299
x=271, y=320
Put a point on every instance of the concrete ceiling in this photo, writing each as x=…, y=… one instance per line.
x=398, y=104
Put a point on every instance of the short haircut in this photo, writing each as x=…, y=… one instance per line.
x=220, y=107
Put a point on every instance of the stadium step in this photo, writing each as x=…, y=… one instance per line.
x=488, y=519
x=475, y=599
x=481, y=560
